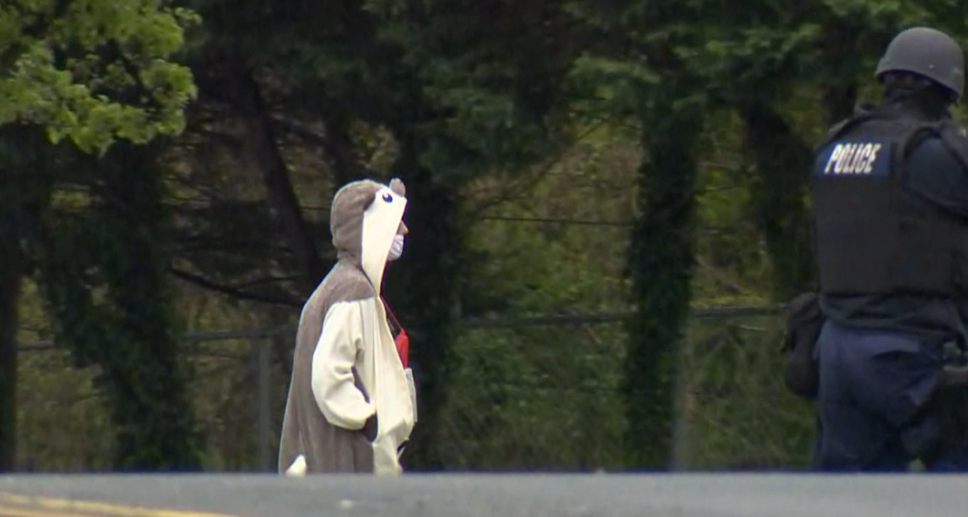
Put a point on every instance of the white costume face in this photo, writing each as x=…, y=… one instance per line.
x=382, y=223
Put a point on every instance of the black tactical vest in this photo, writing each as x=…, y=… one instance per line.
x=873, y=236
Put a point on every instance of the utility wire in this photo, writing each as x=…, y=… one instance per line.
x=475, y=323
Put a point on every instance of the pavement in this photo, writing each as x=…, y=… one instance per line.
x=485, y=495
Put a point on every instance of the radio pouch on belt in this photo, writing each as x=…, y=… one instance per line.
x=804, y=321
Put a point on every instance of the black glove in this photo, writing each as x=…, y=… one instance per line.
x=370, y=428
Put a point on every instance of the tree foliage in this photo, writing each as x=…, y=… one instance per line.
x=95, y=70
x=511, y=122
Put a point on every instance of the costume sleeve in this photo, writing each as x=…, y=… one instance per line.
x=334, y=389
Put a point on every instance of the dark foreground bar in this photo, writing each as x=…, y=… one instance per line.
x=495, y=495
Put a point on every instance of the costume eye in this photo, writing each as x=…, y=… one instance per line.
x=387, y=197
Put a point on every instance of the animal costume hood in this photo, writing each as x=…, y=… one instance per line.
x=347, y=374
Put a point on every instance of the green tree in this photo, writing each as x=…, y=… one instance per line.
x=104, y=273
x=639, y=69
x=24, y=191
x=661, y=260
x=94, y=73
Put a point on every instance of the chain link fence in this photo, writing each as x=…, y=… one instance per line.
x=525, y=394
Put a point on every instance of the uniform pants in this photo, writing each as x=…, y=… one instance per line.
x=880, y=404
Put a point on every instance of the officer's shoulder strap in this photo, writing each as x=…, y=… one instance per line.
x=955, y=138
x=916, y=133
x=835, y=129
x=862, y=113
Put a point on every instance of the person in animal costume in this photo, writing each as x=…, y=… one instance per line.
x=351, y=404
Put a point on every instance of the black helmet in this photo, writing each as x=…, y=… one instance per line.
x=929, y=53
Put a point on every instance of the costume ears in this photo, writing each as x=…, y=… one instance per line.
x=398, y=188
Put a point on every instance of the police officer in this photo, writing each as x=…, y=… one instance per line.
x=890, y=208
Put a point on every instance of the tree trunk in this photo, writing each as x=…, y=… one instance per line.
x=422, y=288
x=839, y=93
x=260, y=138
x=151, y=407
x=661, y=265
x=779, y=194
x=340, y=150
x=24, y=189
x=11, y=272
x=130, y=333
x=839, y=101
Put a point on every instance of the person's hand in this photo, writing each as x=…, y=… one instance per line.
x=370, y=428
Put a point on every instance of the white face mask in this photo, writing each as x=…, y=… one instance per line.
x=396, y=249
